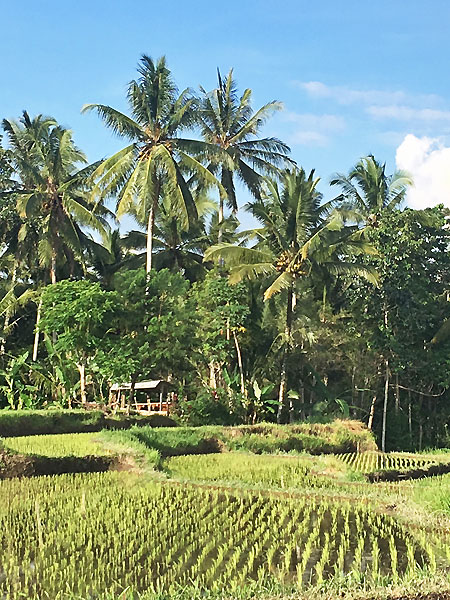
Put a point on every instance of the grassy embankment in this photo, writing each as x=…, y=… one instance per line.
x=40, y=422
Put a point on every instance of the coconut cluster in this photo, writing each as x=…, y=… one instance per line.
x=287, y=262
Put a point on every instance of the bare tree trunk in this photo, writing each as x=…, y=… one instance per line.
x=53, y=267
x=353, y=390
x=282, y=390
x=212, y=376
x=132, y=391
x=53, y=281
x=302, y=401
x=372, y=413
x=283, y=373
x=397, y=394
x=410, y=419
x=36, y=330
x=240, y=365
x=386, y=396
x=82, y=370
x=220, y=233
x=363, y=393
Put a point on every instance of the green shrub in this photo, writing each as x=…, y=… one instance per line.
x=210, y=408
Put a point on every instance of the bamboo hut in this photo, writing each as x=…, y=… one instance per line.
x=149, y=398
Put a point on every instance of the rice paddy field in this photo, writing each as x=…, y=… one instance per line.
x=367, y=462
x=221, y=523
x=58, y=445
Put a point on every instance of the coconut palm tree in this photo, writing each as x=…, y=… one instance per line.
x=53, y=193
x=174, y=247
x=368, y=191
x=52, y=198
x=299, y=238
x=157, y=163
x=229, y=122
x=178, y=249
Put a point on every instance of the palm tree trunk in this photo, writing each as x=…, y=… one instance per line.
x=240, y=365
x=219, y=234
x=397, y=394
x=53, y=267
x=386, y=396
x=212, y=376
x=53, y=280
x=150, y=223
x=132, y=391
x=283, y=374
x=410, y=420
x=372, y=413
x=36, y=331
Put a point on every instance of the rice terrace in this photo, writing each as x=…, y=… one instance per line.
x=225, y=300
x=220, y=510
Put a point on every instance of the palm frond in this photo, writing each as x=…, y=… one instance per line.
x=118, y=122
x=282, y=282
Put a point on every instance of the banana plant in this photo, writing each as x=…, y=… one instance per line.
x=17, y=392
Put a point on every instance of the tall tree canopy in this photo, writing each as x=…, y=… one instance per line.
x=369, y=191
x=158, y=163
x=299, y=237
x=230, y=122
x=53, y=191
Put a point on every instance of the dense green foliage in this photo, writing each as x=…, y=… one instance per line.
x=327, y=309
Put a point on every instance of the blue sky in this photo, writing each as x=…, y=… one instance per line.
x=354, y=77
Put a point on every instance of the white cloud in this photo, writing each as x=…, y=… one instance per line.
x=326, y=122
x=428, y=161
x=346, y=95
x=406, y=113
x=312, y=129
x=308, y=138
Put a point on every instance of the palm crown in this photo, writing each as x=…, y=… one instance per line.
x=158, y=162
x=368, y=190
x=229, y=122
x=298, y=234
x=52, y=194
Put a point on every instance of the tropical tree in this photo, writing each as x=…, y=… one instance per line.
x=400, y=318
x=152, y=333
x=369, y=191
x=80, y=313
x=229, y=122
x=175, y=248
x=157, y=163
x=52, y=194
x=6, y=169
x=299, y=238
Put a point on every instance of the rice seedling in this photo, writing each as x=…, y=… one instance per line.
x=106, y=532
x=59, y=445
x=368, y=462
